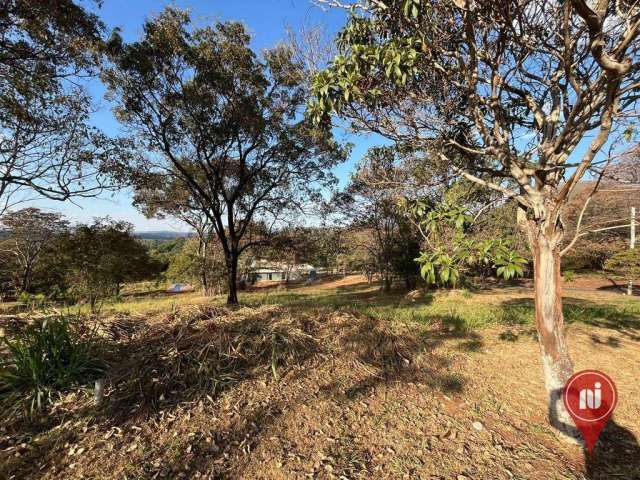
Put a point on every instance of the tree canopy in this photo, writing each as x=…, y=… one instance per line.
x=48, y=48
x=222, y=122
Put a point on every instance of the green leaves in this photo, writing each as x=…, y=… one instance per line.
x=509, y=264
x=446, y=265
x=625, y=263
x=440, y=268
x=44, y=358
x=411, y=8
x=364, y=63
x=429, y=216
x=446, y=269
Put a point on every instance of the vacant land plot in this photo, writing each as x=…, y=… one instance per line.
x=335, y=381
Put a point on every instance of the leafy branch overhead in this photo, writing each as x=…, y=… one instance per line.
x=445, y=262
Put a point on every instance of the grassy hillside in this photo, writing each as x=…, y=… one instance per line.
x=334, y=380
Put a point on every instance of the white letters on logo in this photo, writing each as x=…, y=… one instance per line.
x=591, y=399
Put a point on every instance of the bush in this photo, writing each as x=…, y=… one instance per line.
x=44, y=359
x=32, y=302
x=625, y=263
x=569, y=276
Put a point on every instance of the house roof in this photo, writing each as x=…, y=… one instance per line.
x=265, y=266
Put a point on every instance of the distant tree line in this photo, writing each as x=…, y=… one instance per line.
x=42, y=254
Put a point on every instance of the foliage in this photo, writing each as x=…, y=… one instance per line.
x=102, y=256
x=32, y=301
x=452, y=252
x=47, y=145
x=163, y=251
x=30, y=235
x=382, y=240
x=219, y=123
x=190, y=266
x=625, y=264
x=45, y=358
x=454, y=79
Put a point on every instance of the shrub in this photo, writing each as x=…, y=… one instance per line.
x=569, y=276
x=43, y=359
x=625, y=263
x=31, y=301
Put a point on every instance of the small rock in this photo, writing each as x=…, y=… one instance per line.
x=478, y=426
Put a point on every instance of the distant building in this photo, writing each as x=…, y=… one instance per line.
x=267, y=271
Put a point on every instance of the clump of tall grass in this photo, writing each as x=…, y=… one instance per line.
x=42, y=359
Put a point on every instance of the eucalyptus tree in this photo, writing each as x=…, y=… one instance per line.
x=521, y=97
x=223, y=122
x=48, y=48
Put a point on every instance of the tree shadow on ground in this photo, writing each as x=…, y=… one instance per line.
x=390, y=357
x=619, y=287
x=364, y=353
x=354, y=296
x=22, y=461
x=208, y=350
x=616, y=453
x=576, y=310
x=197, y=355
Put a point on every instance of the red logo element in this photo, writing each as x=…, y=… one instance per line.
x=590, y=397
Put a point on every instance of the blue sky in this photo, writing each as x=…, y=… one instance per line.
x=267, y=20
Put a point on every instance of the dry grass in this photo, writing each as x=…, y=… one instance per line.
x=334, y=382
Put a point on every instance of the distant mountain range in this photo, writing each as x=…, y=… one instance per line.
x=162, y=235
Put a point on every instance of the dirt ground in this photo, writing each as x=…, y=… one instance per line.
x=271, y=393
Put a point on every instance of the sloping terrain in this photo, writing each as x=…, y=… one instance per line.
x=276, y=393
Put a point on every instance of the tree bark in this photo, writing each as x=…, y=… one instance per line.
x=386, y=282
x=203, y=250
x=232, y=277
x=556, y=362
x=26, y=279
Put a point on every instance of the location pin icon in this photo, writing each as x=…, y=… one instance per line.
x=590, y=397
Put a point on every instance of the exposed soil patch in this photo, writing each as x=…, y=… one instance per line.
x=267, y=393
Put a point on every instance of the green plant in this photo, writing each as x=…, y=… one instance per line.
x=569, y=276
x=625, y=264
x=450, y=252
x=31, y=301
x=44, y=358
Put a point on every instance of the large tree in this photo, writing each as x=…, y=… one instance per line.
x=522, y=97
x=48, y=48
x=28, y=233
x=224, y=123
x=102, y=256
x=372, y=207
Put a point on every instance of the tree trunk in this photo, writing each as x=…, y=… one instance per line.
x=232, y=274
x=556, y=362
x=386, y=282
x=204, y=265
x=26, y=280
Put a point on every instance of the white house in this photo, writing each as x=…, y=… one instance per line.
x=265, y=271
